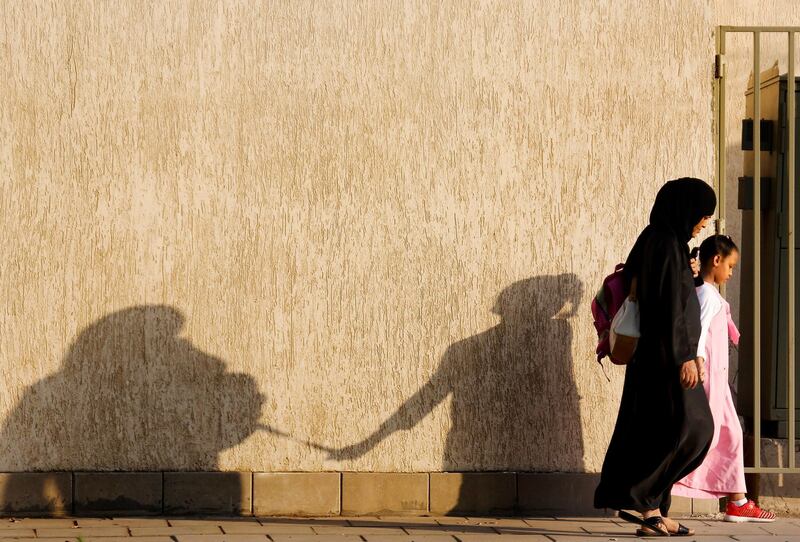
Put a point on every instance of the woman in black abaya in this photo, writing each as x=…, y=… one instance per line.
x=664, y=425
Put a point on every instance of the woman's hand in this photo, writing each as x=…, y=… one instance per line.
x=700, y=361
x=689, y=374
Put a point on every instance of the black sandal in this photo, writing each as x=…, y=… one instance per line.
x=655, y=525
x=682, y=531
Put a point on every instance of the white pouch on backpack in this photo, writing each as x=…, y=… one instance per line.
x=625, y=331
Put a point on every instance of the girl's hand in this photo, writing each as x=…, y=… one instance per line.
x=701, y=368
x=695, y=265
x=689, y=374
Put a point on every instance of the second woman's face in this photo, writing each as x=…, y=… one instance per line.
x=700, y=225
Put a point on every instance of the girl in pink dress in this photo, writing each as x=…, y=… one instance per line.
x=722, y=472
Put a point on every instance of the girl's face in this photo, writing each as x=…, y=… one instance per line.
x=700, y=225
x=723, y=267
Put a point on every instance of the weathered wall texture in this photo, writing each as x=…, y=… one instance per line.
x=232, y=227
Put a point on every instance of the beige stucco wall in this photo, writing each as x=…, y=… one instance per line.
x=220, y=215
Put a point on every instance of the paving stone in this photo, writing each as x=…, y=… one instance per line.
x=365, y=493
x=262, y=529
x=315, y=538
x=410, y=538
x=119, y=522
x=306, y=521
x=587, y=518
x=222, y=538
x=82, y=532
x=216, y=520
x=222, y=523
x=595, y=538
x=757, y=538
x=404, y=519
x=171, y=531
x=36, y=493
x=178, y=522
x=473, y=493
x=5, y=529
x=717, y=527
x=466, y=525
x=117, y=539
x=384, y=525
x=33, y=523
x=780, y=527
x=498, y=522
x=296, y=523
x=288, y=529
x=141, y=522
x=558, y=493
x=396, y=523
x=450, y=529
x=208, y=493
x=245, y=528
x=608, y=528
x=500, y=538
x=570, y=527
x=556, y=525
x=331, y=529
x=17, y=533
x=296, y=493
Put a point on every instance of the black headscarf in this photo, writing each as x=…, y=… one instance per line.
x=681, y=204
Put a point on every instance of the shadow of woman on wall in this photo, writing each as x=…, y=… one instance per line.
x=514, y=401
x=130, y=395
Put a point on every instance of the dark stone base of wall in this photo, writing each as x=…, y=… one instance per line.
x=302, y=494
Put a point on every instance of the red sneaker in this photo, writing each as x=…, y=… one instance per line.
x=749, y=511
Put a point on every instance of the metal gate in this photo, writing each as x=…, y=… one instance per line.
x=720, y=185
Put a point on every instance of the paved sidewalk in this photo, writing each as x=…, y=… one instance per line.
x=372, y=529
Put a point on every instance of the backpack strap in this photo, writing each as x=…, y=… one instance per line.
x=632, y=294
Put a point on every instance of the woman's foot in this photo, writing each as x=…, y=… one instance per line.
x=676, y=529
x=748, y=512
x=653, y=526
x=672, y=527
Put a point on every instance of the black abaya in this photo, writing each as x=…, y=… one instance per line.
x=663, y=431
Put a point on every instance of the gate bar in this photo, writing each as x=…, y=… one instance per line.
x=757, y=245
x=760, y=28
x=790, y=112
x=721, y=137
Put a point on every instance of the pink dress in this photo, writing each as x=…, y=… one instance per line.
x=722, y=471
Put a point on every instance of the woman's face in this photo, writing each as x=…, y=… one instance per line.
x=700, y=225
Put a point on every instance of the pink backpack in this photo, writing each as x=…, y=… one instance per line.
x=605, y=305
